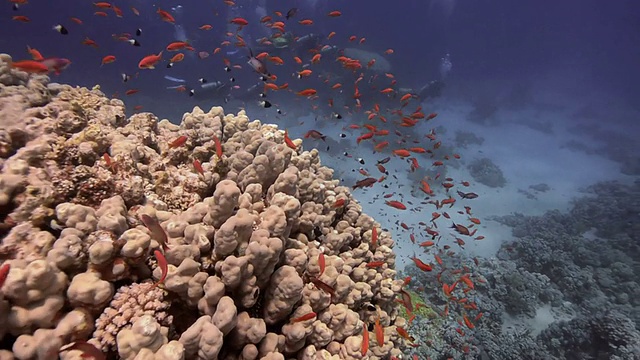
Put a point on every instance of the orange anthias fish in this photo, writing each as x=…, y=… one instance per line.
x=365, y=340
x=35, y=54
x=287, y=140
x=307, y=92
x=30, y=66
x=421, y=265
x=304, y=317
x=4, y=272
x=379, y=332
x=179, y=141
x=396, y=204
x=321, y=263
x=165, y=16
x=149, y=61
x=162, y=262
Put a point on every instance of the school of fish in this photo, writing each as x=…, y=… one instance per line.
x=389, y=124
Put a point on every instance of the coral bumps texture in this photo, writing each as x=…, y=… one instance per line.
x=244, y=236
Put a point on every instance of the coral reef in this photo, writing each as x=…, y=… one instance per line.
x=566, y=288
x=464, y=139
x=154, y=240
x=486, y=172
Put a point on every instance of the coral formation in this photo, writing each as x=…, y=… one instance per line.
x=566, y=288
x=96, y=206
x=486, y=172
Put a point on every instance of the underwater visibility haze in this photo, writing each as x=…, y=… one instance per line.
x=319, y=179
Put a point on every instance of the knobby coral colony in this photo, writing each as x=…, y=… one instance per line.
x=145, y=239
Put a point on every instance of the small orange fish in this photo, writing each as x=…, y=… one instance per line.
x=176, y=58
x=421, y=265
x=396, y=204
x=102, y=4
x=288, y=141
x=335, y=13
x=108, y=59
x=338, y=203
x=218, y=145
x=239, y=21
x=365, y=340
x=375, y=264
x=165, y=16
x=21, y=18
x=323, y=286
x=4, y=272
x=321, y=262
x=374, y=237
x=149, y=61
x=162, y=262
x=402, y=332
x=304, y=317
x=179, y=141
x=307, y=92
x=30, y=66
x=379, y=332
x=198, y=166
x=468, y=322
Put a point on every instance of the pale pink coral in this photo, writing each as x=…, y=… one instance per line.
x=128, y=305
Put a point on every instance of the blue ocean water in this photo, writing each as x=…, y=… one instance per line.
x=534, y=103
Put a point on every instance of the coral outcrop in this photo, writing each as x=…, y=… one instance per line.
x=94, y=205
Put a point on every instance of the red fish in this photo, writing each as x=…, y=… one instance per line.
x=162, y=262
x=368, y=182
x=4, y=272
x=321, y=263
x=149, y=61
x=421, y=265
x=218, y=145
x=396, y=204
x=365, y=340
x=165, y=16
x=198, y=166
x=304, y=317
x=288, y=141
x=315, y=134
x=324, y=286
x=307, y=92
x=108, y=59
x=379, y=332
x=179, y=141
x=239, y=21
x=30, y=66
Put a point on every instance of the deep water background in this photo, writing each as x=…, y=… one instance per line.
x=585, y=46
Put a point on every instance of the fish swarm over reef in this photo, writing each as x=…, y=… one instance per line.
x=158, y=241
